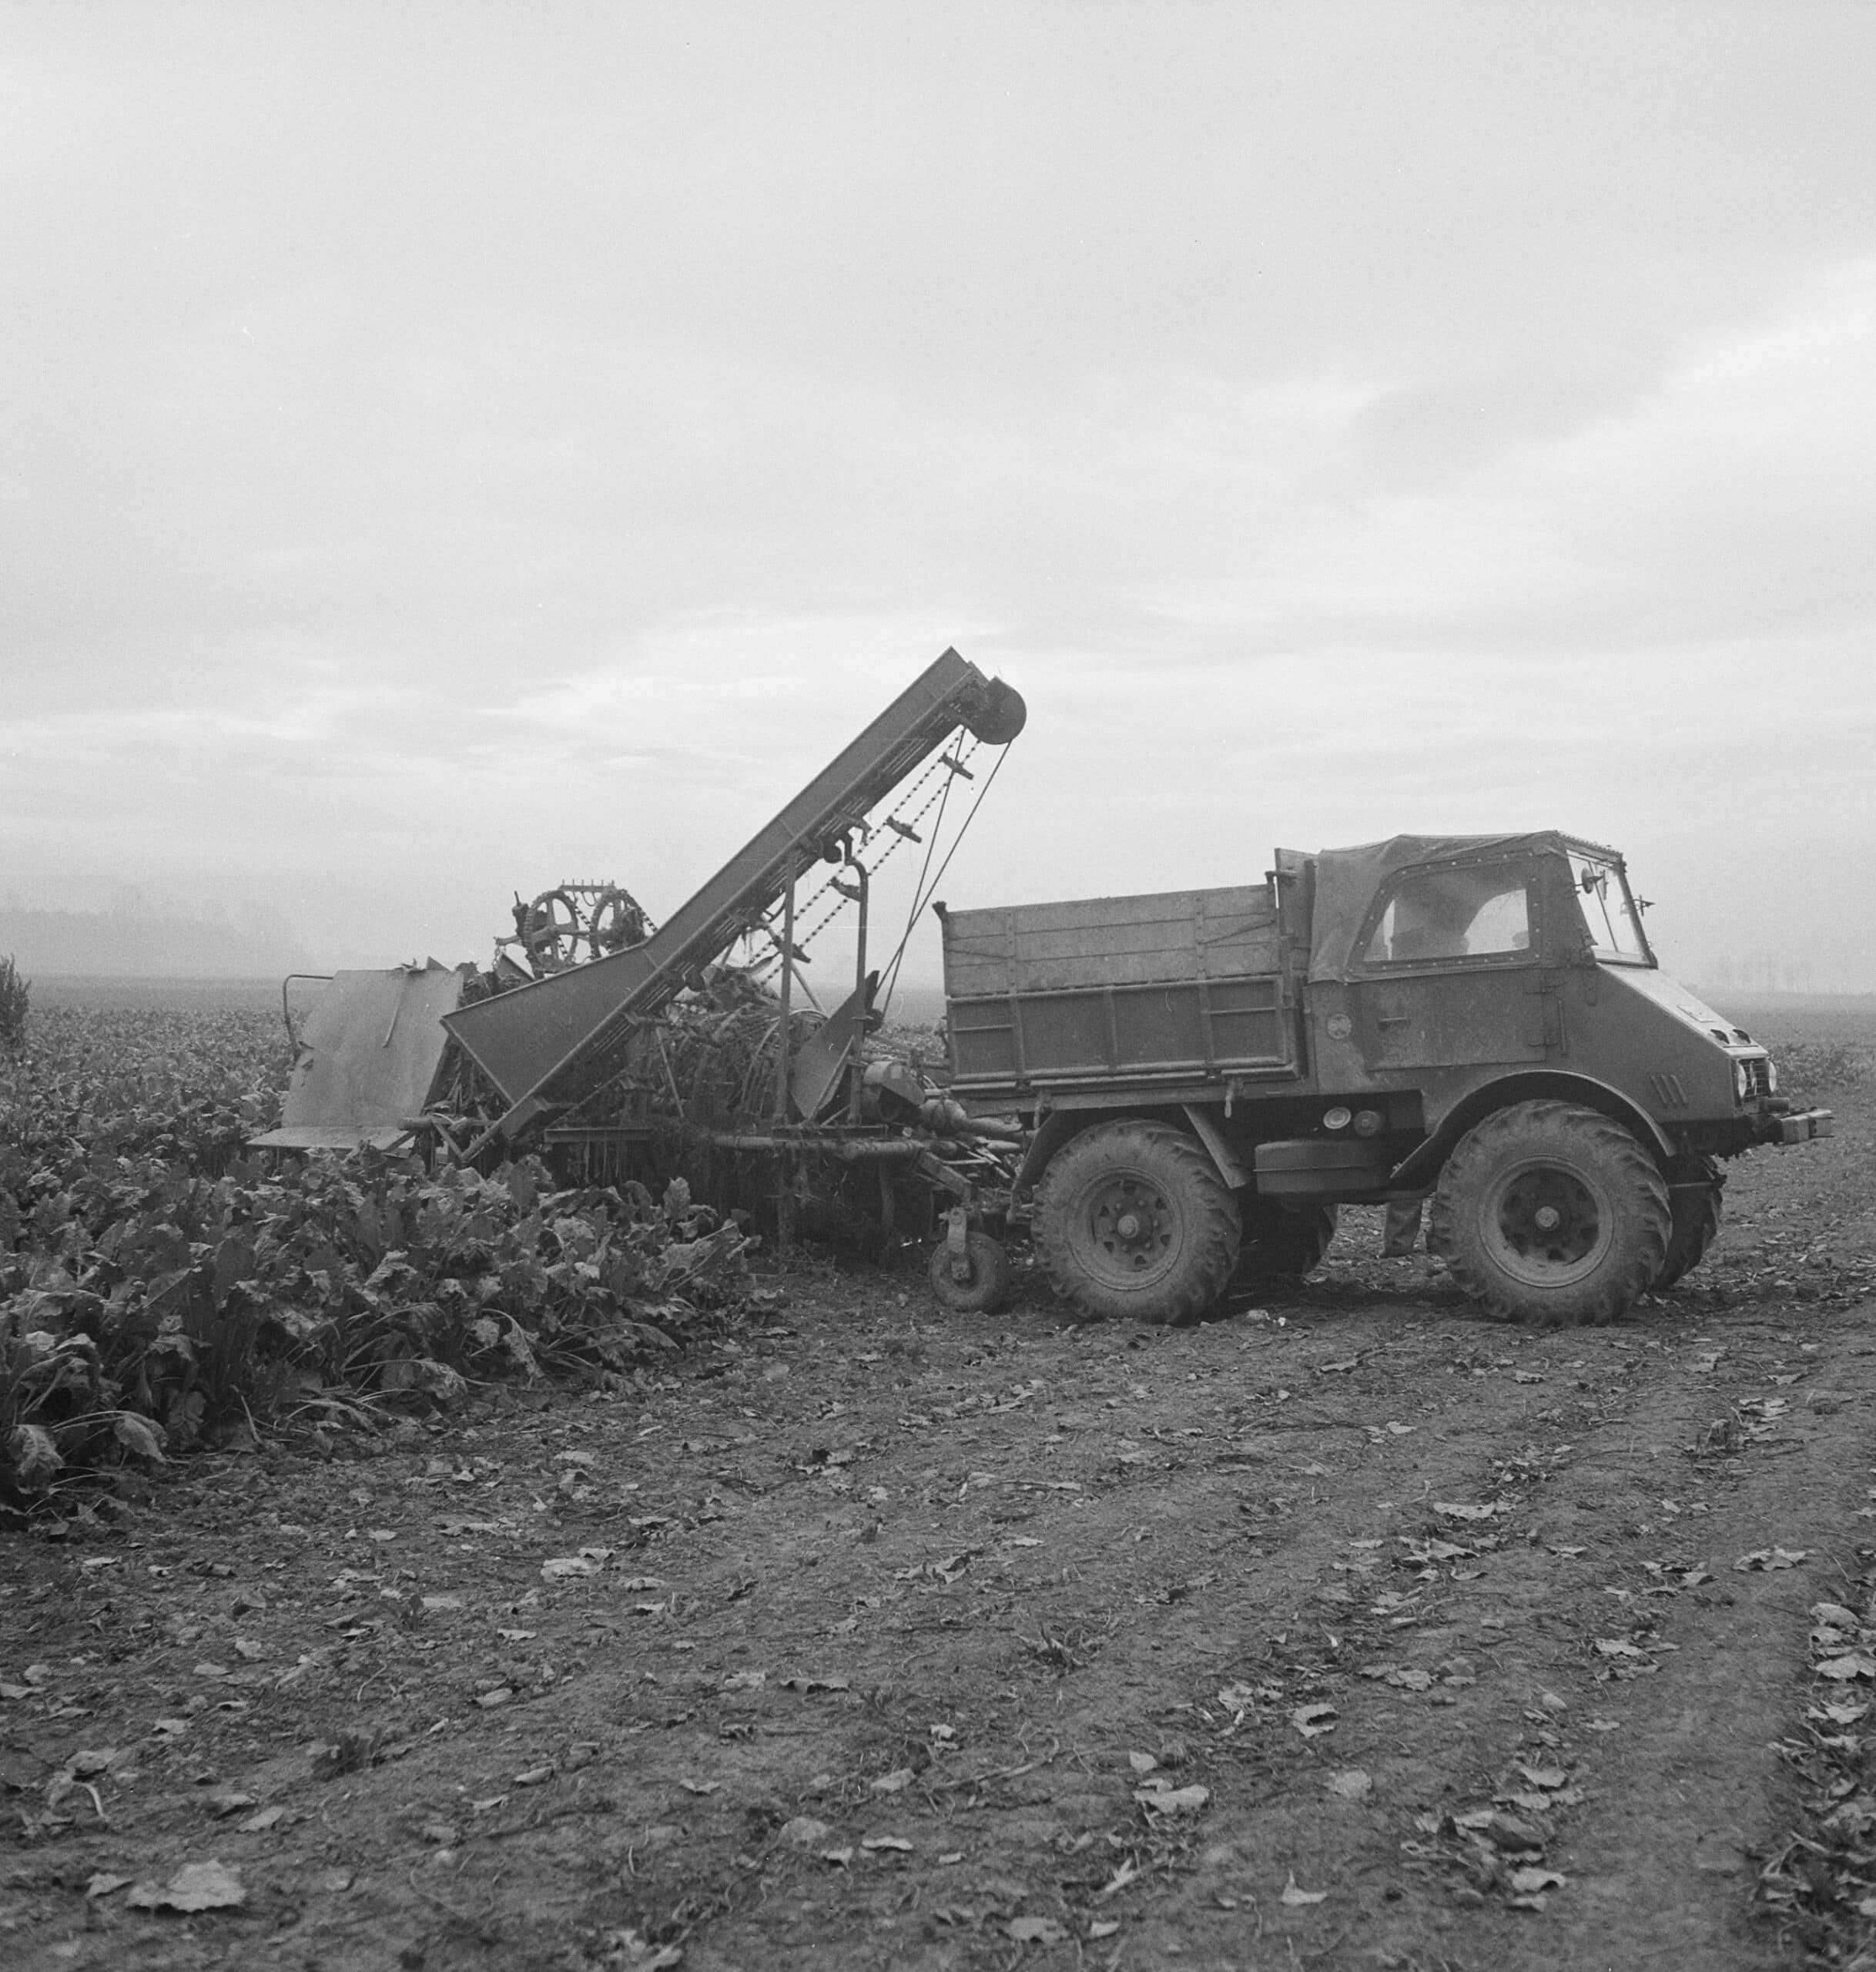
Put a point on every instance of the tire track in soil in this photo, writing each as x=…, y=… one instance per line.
x=1671, y=1754
x=1694, y=1790
x=1687, y=1778
x=1527, y=1631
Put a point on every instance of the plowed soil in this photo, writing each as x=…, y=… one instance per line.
x=1348, y=1629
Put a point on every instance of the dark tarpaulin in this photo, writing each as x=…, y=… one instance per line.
x=1347, y=880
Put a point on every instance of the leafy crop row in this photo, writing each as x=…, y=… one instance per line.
x=159, y=1288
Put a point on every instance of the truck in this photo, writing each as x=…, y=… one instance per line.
x=1170, y=1092
x=1203, y=1077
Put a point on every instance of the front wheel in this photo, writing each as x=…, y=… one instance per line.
x=1133, y=1221
x=1547, y=1212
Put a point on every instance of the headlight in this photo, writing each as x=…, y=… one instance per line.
x=1771, y=1076
x=1742, y=1081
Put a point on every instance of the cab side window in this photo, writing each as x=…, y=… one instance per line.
x=1453, y=914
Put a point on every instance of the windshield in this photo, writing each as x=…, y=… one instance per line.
x=1608, y=910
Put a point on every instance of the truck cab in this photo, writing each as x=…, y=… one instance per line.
x=1520, y=963
x=1480, y=1021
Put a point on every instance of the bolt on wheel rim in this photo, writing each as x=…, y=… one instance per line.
x=1546, y=1224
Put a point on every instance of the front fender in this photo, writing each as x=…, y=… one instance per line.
x=1420, y=1169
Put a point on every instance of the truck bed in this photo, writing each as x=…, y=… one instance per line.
x=1182, y=984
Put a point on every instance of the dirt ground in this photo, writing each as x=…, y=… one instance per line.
x=1348, y=1629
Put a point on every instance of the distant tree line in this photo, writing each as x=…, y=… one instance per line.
x=1767, y=972
x=116, y=944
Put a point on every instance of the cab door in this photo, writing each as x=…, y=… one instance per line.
x=1449, y=970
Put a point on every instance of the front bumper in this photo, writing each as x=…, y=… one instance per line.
x=1801, y=1126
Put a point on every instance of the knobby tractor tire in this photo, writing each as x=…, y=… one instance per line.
x=987, y=1281
x=1133, y=1222
x=1550, y=1212
x=1694, y=1205
x=1282, y=1242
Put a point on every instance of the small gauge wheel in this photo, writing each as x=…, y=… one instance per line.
x=985, y=1268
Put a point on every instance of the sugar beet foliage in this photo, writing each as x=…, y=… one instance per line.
x=161, y=1290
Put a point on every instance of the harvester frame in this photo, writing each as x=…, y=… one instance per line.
x=382, y=1049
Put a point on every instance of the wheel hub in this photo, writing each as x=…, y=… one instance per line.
x=1546, y=1222
x=1131, y=1223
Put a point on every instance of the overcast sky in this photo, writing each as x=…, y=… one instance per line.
x=447, y=449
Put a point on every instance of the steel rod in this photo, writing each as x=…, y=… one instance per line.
x=855, y=1060
x=788, y=986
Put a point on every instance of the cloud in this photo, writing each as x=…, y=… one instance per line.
x=446, y=453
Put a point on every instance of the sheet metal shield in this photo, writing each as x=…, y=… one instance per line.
x=368, y=1058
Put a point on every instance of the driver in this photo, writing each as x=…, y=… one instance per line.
x=1431, y=917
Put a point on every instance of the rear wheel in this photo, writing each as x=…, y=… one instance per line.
x=1281, y=1242
x=1547, y=1212
x=1133, y=1220
x=1694, y=1186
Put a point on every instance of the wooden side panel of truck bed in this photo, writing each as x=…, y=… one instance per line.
x=1182, y=984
